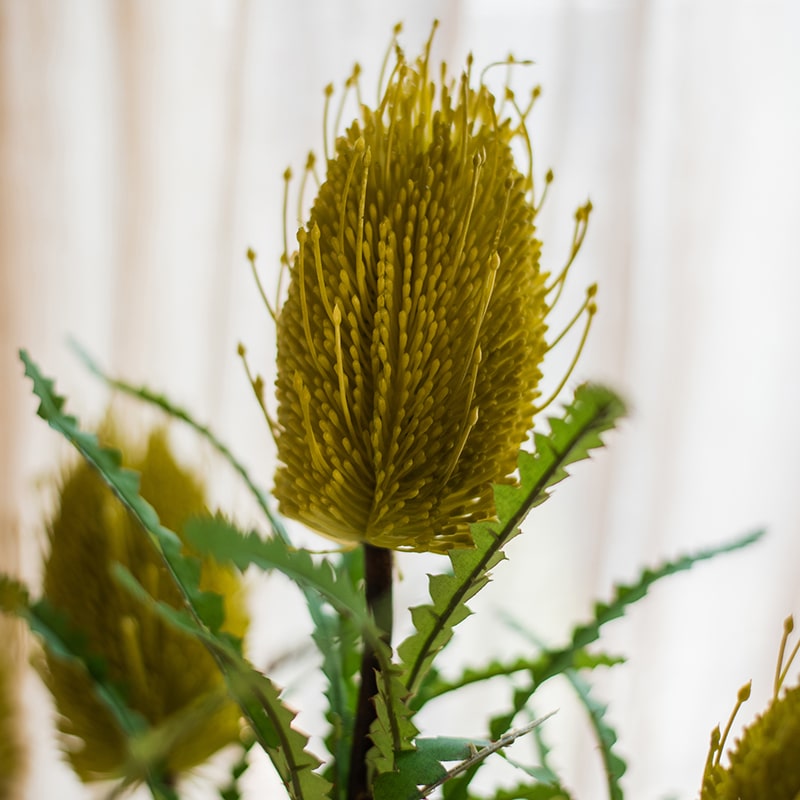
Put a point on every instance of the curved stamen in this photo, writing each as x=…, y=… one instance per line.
x=251, y=257
x=590, y=310
x=257, y=384
x=590, y=293
x=302, y=236
x=309, y=169
x=578, y=235
x=742, y=697
x=788, y=626
x=325, y=110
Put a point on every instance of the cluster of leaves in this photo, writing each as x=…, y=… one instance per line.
x=404, y=764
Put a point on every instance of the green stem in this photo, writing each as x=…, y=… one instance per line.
x=378, y=588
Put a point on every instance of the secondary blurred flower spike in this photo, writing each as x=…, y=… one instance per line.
x=764, y=763
x=10, y=739
x=167, y=675
x=411, y=338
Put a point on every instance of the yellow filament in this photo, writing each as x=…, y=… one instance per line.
x=741, y=699
x=789, y=661
x=548, y=179
x=359, y=149
x=523, y=130
x=591, y=310
x=337, y=327
x=301, y=239
x=477, y=165
x=323, y=292
x=398, y=28
x=257, y=384
x=590, y=293
x=578, y=235
x=488, y=289
x=326, y=109
x=348, y=84
x=392, y=120
x=305, y=397
x=362, y=201
x=470, y=417
x=309, y=168
x=284, y=262
x=251, y=257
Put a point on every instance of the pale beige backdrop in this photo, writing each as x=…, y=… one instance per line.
x=141, y=152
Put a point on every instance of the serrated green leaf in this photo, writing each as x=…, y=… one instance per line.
x=257, y=697
x=537, y=791
x=614, y=765
x=593, y=411
x=225, y=543
x=392, y=731
x=555, y=662
x=436, y=686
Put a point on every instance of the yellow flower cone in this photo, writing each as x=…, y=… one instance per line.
x=164, y=673
x=764, y=763
x=411, y=338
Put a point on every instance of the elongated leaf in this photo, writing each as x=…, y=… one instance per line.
x=392, y=732
x=437, y=686
x=555, y=662
x=258, y=698
x=225, y=543
x=593, y=411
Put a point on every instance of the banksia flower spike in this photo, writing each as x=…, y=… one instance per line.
x=10, y=745
x=411, y=339
x=164, y=674
x=764, y=763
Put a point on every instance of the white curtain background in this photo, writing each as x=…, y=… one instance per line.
x=141, y=151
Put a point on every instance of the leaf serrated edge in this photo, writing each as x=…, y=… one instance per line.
x=601, y=409
x=554, y=662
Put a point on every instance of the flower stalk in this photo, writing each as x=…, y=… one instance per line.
x=378, y=589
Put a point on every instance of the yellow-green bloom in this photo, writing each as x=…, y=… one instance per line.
x=764, y=763
x=165, y=674
x=10, y=743
x=411, y=338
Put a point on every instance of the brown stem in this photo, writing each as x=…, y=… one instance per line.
x=378, y=587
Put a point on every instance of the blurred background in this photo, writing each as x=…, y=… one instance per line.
x=142, y=146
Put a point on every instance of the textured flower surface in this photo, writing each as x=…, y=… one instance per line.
x=411, y=338
x=764, y=763
x=164, y=674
